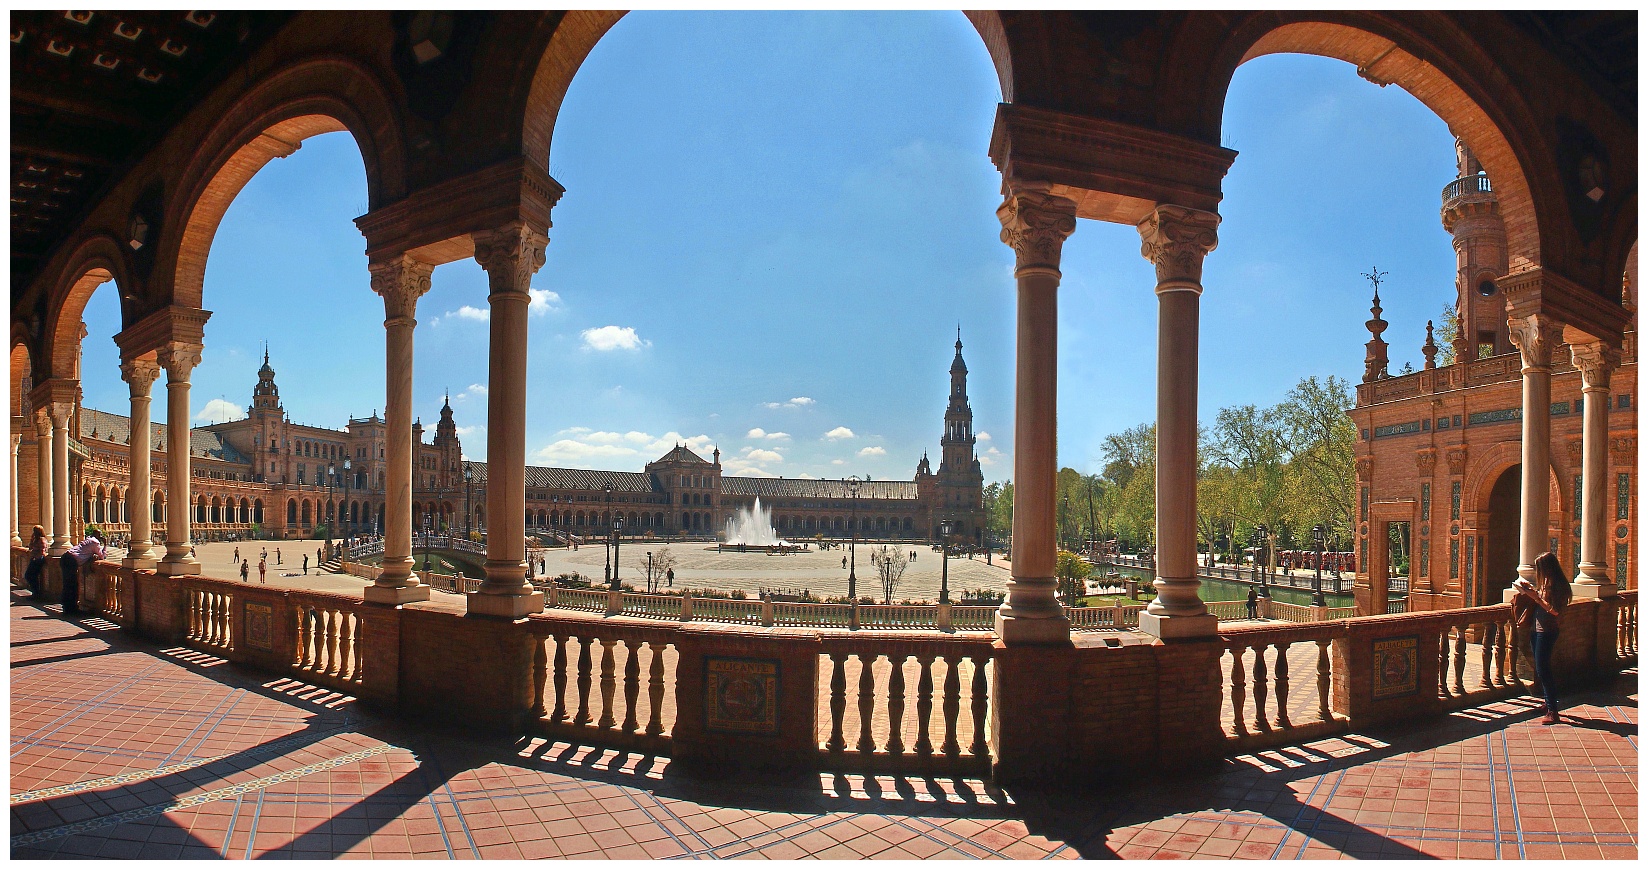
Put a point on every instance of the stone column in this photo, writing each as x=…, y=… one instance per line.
x=1035, y=224
x=179, y=360
x=1535, y=336
x=1177, y=240
x=43, y=468
x=60, y=413
x=140, y=375
x=401, y=282
x=1596, y=363
x=16, y=514
x=510, y=256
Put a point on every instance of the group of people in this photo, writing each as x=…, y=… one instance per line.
x=72, y=560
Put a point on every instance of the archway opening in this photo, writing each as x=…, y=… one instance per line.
x=1500, y=529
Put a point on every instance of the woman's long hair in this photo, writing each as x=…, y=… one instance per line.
x=1557, y=590
x=39, y=532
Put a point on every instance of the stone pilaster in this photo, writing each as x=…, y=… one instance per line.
x=510, y=255
x=16, y=514
x=1535, y=337
x=60, y=413
x=1177, y=240
x=1596, y=363
x=1035, y=224
x=43, y=468
x=401, y=281
x=140, y=375
x=179, y=359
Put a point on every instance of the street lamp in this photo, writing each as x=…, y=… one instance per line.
x=1319, y=535
x=617, y=541
x=469, y=477
x=607, y=573
x=426, y=523
x=852, y=551
x=1264, y=550
x=331, y=502
x=652, y=582
x=342, y=510
x=1064, y=515
x=945, y=530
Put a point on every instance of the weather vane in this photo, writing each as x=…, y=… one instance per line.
x=1375, y=278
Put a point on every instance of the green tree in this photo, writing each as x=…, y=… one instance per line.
x=1130, y=468
x=1447, y=332
x=1071, y=570
x=1321, y=443
x=998, y=509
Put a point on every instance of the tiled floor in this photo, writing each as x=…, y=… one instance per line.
x=123, y=750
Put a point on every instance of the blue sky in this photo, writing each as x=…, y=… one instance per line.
x=774, y=223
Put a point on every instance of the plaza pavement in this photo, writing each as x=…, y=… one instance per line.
x=122, y=750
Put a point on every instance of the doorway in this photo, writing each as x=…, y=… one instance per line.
x=1501, y=531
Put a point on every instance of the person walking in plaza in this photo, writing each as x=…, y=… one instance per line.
x=263, y=565
x=37, y=560
x=1542, y=602
x=305, y=564
x=245, y=569
x=1252, y=603
x=237, y=554
x=277, y=555
x=76, y=557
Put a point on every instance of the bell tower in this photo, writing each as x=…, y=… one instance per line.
x=959, y=493
x=1470, y=212
x=958, y=440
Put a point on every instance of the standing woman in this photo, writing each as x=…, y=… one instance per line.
x=1543, y=603
x=37, y=560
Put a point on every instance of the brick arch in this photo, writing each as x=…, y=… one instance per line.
x=307, y=98
x=21, y=368
x=1485, y=467
x=96, y=261
x=1489, y=117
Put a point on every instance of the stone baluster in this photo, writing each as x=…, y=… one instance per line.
x=632, y=685
x=1261, y=720
x=582, y=717
x=1035, y=224
x=1490, y=637
x=609, y=684
x=540, y=676
x=1281, y=680
x=655, y=690
x=981, y=705
x=895, y=703
x=1459, y=655
x=401, y=281
x=924, y=704
x=346, y=642
x=510, y=256
x=866, y=701
x=952, y=705
x=838, y=702
x=560, y=712
x=1238, y=689
x=1442, y=664
x=1324, y=680
x=1596, y=362
x=179, y=359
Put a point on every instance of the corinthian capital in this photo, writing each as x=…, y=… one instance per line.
x=1596, y=363
x=1177, y=239
x=42, y=421
x=1035, y=223
x=1535, y=336
x=511, y=256
x=401, y=281
x=179, y=359
x=60, y=413
x=140, y=374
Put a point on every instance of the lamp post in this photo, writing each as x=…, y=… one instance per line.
x=607, y=573
x=342, y=510
x=1319, y=537
x=1064, y=514
x=331, y=502
x=1264, y=551
x=652, y=582
x=426, y=523
x=469, y=478
x=852, y=551
x=617, y=542
x=945, y=529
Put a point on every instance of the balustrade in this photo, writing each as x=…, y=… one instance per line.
x=584, y=656
x=1264, y=666
x=1462, y=672
x=1625, y=630
x=880, y=730
x=210, y=620
x=329, y=633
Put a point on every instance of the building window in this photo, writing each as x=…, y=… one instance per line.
x=1425, y=502
x=1623, y=510
x=1454, y=510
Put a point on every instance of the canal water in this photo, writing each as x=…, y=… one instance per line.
x=1226, y=590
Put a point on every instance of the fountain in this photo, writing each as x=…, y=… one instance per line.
x=752, y=526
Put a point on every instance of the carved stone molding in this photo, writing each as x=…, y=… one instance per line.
x=1177, y=240
x=401, y=282
x=511, y=256
x=1456, y=460
x=1596, y=363
x=179, y=359
x=1364, y=468
x=1535, y=336
x=1623, y=448
x=1426, y=460
x=140, y=374
x=60, y=413
x=42, y=421
x=1576, y=452
x=1035, y=223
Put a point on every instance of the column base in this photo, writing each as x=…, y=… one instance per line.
x=1594, y=587
x=396, y=595
x=138, y=563
x=1018, y=630
x=1178, y=627
x=178, y=568
x=508, y=606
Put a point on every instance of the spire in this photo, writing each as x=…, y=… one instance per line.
x=957, y=366
x=1430, y=347
x=446, y=403
x=1377, y=364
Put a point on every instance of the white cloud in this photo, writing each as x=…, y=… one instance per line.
x=637, y=437
x=984, y=436
x=838, y=462
x=578, y=454
x=805, y=476
x=471, y=431
x=797, y=402
x=220, y=410
x=473, y=391
x=873, y=451
x=757, y=455
x=744, y=468
x=606, y=338
x=583, y=447
x=761, y=434
x=470, y=312
x=543, y=301
x=603, y=437
x=839, y=433
x=575, y=430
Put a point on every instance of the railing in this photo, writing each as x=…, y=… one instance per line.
x=568, y=684
x=1495, y=635
x=1625, y=632
x=973, y=617
x=1396, y=605
x=329, y=633
x=725, y=610
x=210, y=624
x=648, y=606
x=1228, y=610
x=895, y=616
x=1340, y=612
x=1260, y=667
x=582, y=599
x=111, y=599
x=812, y=615
x=1462, y=186
x=1117, y=617
x=879, y=730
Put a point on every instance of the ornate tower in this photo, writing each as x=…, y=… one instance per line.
x=268, y=427
x=1470, y=212
x=451, y=450
x=1377, y=363
x=960, y=481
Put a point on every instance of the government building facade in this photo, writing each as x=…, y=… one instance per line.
x=265, y=476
